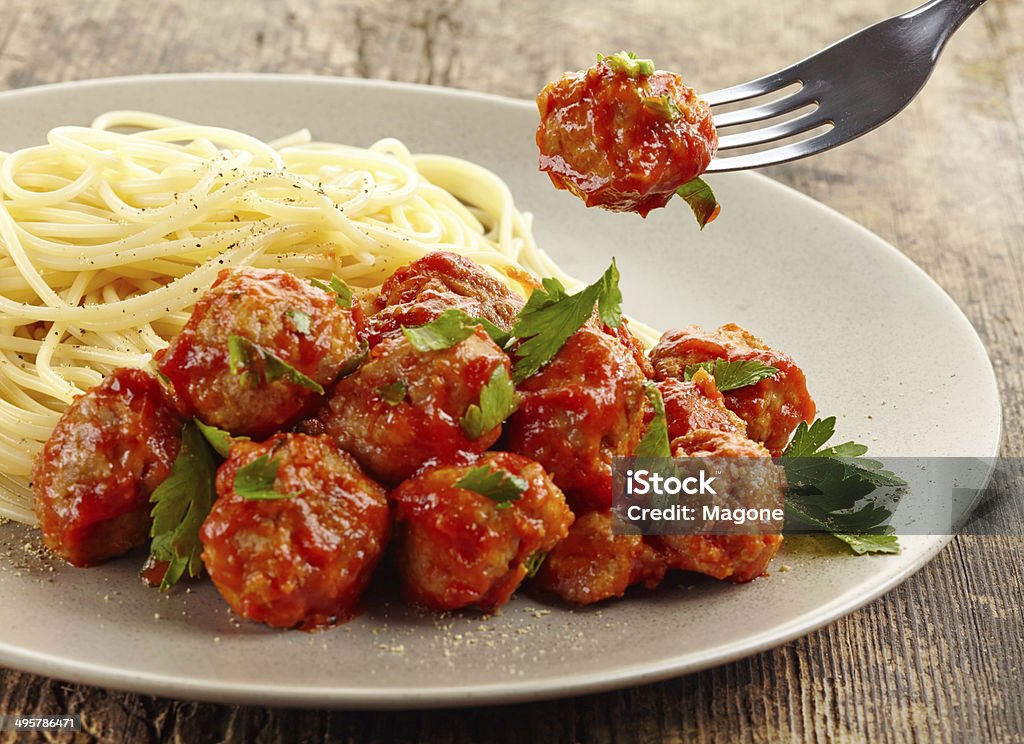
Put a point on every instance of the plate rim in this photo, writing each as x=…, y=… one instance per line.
x=505, y=692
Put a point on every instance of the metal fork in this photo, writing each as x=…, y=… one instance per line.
x=857, y=84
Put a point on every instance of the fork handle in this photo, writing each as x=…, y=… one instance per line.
x=941, y=18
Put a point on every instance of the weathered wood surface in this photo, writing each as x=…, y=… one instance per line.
x=939, y=659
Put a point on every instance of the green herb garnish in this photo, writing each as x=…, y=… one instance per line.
x=257, y=365
x=828, y=487
x=533, y=564
x=180, y=505
x=498, y=335
x=701, y=199
x=450, y=327
x=497, y=485
x=394, y=393
x=443, y=332
x=732, y=375
x=664, y=105
x=628, y=63
x=498, y=401
x=655, y=440
x=300, y=319
x=343, y=295
x=219, y=439
x=255, y=481
x=551, y=316
x=355, y=361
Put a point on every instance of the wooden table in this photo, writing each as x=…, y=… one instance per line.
x=939, y=658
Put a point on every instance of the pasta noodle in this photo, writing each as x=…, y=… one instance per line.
x=109, y=233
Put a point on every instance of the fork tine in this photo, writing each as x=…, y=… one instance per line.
x=793, y=151
x=766, y=111
x=777, y=132
x=753, y=88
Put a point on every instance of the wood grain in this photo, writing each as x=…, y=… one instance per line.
x=941, y=658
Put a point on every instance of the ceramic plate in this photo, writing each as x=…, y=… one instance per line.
x=871, y=330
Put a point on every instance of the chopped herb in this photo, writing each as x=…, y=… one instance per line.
x=300, y=320
x=498, y=401
x=497, y=485
x=353, y=362
x=219, y=439
x=180, y=505
x=444, y=331
x=732, y=375
x=664, y=105
x=336, y=287
x=257, y=365
x=551, y=316
x=533, y=564
x=701, y=199
x=655, y=440
x=829, y=489
x=255, y=481
x=394, y=393
x=628, y=63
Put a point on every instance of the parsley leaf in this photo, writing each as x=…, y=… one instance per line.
x=834, y=489
x=844, y=526
x=394, y=393
x=337, y=287
x=300, y=319
x=356, y=360
x=257, y=365
x=443, y=332
x=219, y=439
x=628, y=63
x=701, y=199
x=180, y=505
x=551, y=316
x=807, y=440
x=450, y=327
x=655, y=439
x=533, y=564
x=255, y=481
x=732, y=375
x=498, y=335
x=497, y=485
x=862, y=544
x=498, y=401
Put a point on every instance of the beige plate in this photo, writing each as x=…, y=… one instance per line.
x=873, y=332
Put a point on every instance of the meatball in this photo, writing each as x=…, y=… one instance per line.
x=416, y=294
x=301, y=560
x=758, y=483
x=696, y=404
x=456, y=547
x=271, y=312
x=623, y=140
x=593, y=564
x=403, y=409
x=772, y=407
x=581, y=410
x=110, y=450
